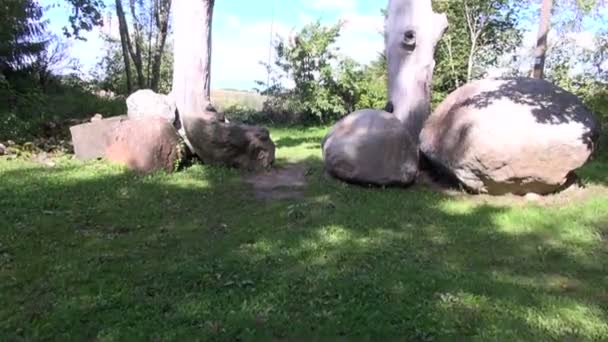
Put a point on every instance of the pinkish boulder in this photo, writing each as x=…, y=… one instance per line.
x=145, y=145
x=90, y=140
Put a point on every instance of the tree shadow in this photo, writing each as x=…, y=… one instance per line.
x=116, y=255
x=548, y=105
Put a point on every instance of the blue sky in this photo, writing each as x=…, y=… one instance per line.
x=241, y=33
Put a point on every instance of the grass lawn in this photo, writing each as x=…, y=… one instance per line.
x=92, y=252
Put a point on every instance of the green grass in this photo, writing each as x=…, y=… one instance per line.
x=92, y=252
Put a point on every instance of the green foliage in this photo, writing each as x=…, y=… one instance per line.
x=89, y=251
x=326, y=86
x=21, y=33
x=28, y=109
x=580, y=70
x=493, y=26
x=245, y=114
x=110, y=71
x=85, y=15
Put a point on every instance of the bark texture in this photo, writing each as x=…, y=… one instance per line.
x=192, y=55
x=162, y=8
x=375, y=147
x=412, y=33
x=541, y=43
x=123, y=29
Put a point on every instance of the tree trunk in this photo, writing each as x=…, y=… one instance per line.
x=541, y=43
x=192, y=56
x=206, y=132
x=163, y=8
x=471, y=61
x=149, y=56
x=138, y=40
x=413, y=31
x=124, y=42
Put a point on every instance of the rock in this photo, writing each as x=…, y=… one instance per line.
x=90, y=140
x=208, y=114
x=96, y=117
x=532, y=197
x=2, y=150
x=43, y=158
x=515, y=136
x=371, y=147
x=145, y=103
x=234, y=145
x=145, y=145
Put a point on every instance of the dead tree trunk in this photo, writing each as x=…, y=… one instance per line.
x=413, y=31
x=138, y=42
x=541, y=43
x=161, y=18
x=124, y=42
x=192, y=55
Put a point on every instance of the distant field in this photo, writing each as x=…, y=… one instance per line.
x=224, y=98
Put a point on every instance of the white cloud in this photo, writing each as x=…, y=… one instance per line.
x=361, y=37
x=305, y=18
x=233, y=21
x=237, y=56
x=585, y=39
x=331, y=5
x=237, y=53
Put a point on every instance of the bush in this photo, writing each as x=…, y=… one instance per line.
x=326, y=85
x=26, y=110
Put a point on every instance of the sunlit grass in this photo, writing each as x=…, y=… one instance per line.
x=93, y=252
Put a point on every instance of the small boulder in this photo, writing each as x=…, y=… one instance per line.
x=145, y=145
x=515, y=136
x=96, y=117
x=145, y=103
x=217, y=142
x=371, y=147
x=2, y=150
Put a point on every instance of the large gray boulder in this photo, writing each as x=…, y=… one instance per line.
x=146, y=103
x=371, y=147
x=515, y=136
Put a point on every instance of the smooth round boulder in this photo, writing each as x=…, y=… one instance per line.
x=146, y=103
x=371, y=147
x=518, y=136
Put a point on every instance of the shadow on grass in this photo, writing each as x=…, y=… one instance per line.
x=100, y=254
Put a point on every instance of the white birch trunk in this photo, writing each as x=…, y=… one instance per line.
x=413, y=31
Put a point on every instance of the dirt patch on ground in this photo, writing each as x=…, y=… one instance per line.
x=284, y=182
